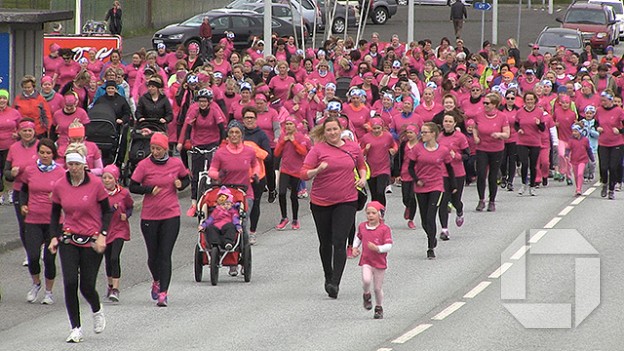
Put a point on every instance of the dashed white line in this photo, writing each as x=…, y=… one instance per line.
x=565, y=211
x=476, y=290
x=412, y=333
x=500, y=270
x=537, y=236
x=384, y=349
x=521, y=251
x=448, y=311
x=553, y=222
x=589, y=191
x=578, y=200
x=597, y=184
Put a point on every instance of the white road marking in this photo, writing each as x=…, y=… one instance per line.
x=521, y=251
x=553, y=222
x=384, y=349
x=589, y=191
x=476, y=290
x=565, y=211
x=597, y=184
x=448, y=311
x=500, y=270
x=540, y=234
x=578, y=200
x=412, y=333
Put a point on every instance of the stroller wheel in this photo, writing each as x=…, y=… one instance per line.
x=214, y=265
x=247, y=263
x=199, y=264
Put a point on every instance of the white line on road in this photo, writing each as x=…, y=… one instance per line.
x=448, y=311
x=521, y=251
x=500, y=270
x=537, y=236
x=476, y=290
x=412, y=333
x=597, y=184
x=589, y=191
x=553, y=222
x=384, y=349
x=565, y=211
x=578, y=200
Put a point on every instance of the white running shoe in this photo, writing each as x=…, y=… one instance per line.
x=1, y=199
x=389, y=189
x=25, y=262
x=75, y=335
x=48, y=299
x=32, y=294
x=99, y=321
x=10, y=196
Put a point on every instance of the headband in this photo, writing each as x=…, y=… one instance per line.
x=606, y=95
x=75, y=157
x=26, y=125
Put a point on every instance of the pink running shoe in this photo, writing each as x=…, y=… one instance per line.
x=282, y=224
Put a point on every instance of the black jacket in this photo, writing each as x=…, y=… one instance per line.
x=261, y=139
x=458, y=10
x=119, y=105
x=153, y=112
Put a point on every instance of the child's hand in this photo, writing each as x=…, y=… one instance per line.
x=355, y=252
x=200, y=228
x=373, y=247
x=124, y=217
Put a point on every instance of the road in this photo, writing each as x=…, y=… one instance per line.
x=430, y=305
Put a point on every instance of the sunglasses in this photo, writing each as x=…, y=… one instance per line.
x=511, y=98
x=402, y=75
x=559, y=68
x=475, y=90
x=487, y=103
x=249, y=117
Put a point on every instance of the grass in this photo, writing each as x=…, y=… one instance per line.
x=25, y=4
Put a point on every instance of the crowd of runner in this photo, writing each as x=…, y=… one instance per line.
x=429, y=118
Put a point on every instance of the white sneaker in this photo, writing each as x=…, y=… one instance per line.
x=75, y=335
x=389, y=189
x=32, y=294
x=252, y=239
x=48, y=299
x=1, y=199
x=10, y=196
x=99, y=322
x=523, y=189
x=532, y=191
x=25, y=262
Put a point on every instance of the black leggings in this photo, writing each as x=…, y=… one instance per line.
x=254, y=215
x=470, y=166
x=287, y=181
x=79, y=263
x=269, y=166
x=220, y=237
x=508, y=162
x=428, y=203
x=333, y=224
x=409, y=199
x=3, y=156
x=197, y=165
x=488, y=161
x=20, y=218
x=528, y=156
x=610, y=159
x=377, y=186
x=453, y=198
x=37, y=235
x=160, y=238
x=112, y=259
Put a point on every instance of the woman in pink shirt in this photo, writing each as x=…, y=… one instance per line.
x=610, y=125
x=580, y=153
x=269, y=122
x=76, y=134
x=81, y=238
x=322, y=74
x=9, y=122
x=409, y=139
x=490, y=132
x=587, y=96
x=333, y=199
x=67, y=70
x=529, y=124
x=297, y=106
x=61, y=119
x=36, y=207
x=280, y=84
x=54, y=99
x=236, y=109
x=564, y=118
x=428, y=106
x=427, y=163
x=357, y=112
x=378, y=147
x=473, y=106
x=510, y=154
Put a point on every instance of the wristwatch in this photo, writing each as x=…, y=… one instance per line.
x=104, y=233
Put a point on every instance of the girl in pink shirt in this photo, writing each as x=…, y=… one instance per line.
x=510, y=155
x=529, y=124
x=564, y=118
x=409, y=141
x=119, y=231
x=580, y=153
x=378, y=147
x=280, y=84
x=224, y=222
x=375, y=239
x=61, y=119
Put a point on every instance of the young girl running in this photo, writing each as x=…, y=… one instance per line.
x=579, y=154
x=375, y=238
x=119, y=231
x=407, y=184
x=378, y=146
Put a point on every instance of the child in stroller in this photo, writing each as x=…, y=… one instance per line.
x=223, y=223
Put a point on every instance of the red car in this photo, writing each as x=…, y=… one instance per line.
x=595, y=21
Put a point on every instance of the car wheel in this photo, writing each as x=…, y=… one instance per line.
x=380, y=15
x=339, y=26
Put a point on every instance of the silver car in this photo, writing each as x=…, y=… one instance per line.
x=551, y=38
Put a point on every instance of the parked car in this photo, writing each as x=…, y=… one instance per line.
x=551, y=38
x=244, y=24
x=280, y=11
x=618, y=8
x=380, y=10
x=433, y=2
x=339, y=24
x=596, y=22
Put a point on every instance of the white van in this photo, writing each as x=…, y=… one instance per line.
x=618, y=8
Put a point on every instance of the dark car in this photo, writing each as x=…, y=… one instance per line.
x=551, y=38
x=244, y=25
x=380, y=11
x=597, y=23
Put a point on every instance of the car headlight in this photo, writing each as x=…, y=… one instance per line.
x=176, y=36
x=601, y=35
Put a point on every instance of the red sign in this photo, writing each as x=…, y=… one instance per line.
x=81, y=45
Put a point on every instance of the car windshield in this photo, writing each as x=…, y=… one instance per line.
x=195, y=21
x=555, y=39
x=586, y=16
x=617, y=7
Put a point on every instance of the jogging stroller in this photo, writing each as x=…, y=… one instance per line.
x=342, y=87
x=109, y=136
x=215, y=255
x=140, y=136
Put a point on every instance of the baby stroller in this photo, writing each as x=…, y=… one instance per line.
x=140, y=136
x=215, y=255
x=109, y=136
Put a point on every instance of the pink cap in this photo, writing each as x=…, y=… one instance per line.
x=461, y=67
x=297, y=88
x=225, y=191
x=112, y=169
x=260, y=97
x=46, y=79
x=368, y=75
x=55, y=47
x=70, y=99
x=411, y=128
x=470, y=123
x=408, y=99
x=161, y=140
x=476, y=84
x=376, y=205
x=377, y=122
x=564, y=98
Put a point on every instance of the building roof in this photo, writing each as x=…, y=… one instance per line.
x=15, y=16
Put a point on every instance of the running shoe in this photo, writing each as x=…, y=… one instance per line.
x=481, y=206
x=378, y=312
x=99, y=321
x=532, y=191
x=75, y=336
x=568, y=181
x=155, y=290
x=162, y=299
x=411, y=225
x=603, y=191
x=545, y=182
x=282, y=224
x=108, y=291
x=350, y=252
x=459, y=220
x=25, y=262
x=611, y=195
x=618, y=187
x=389, y=189
x=295, y=225
x=233, y=271
x=192, y=211
x=578, y=194
x=272, y=196
x=510, y=187
x=503, y=182
x=114, y=295
x=48, y=299
x=406, y=213
x=252, y=238
x=332, y=290
x=523, y=189
x=367, y=301
x=10, y=196
x=491, y=207
x=444, y=235
x=430, y=254
x=302, y=194
x=33, y=292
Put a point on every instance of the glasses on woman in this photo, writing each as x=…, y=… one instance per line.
x=487, y=103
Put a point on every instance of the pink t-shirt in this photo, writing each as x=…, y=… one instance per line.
x=526, y=119
x=56, y=103
x=120, y=203
x=426, y=113
x=292, y=153
x=405, y=175
x=358, y=118
x=235, y=168
x=223, y=67
x=21, y=157
x=380, y=235
x=9, y=121
x=609, y=119
x=564, y=119
x=95, y=67
x=265, y=121
x=581, y=101
x=511, y=118
x=67, y=72
x=430, y=167
x=165, y=204
x=93, y=154
x=472, y=110
x=281, y=86
x=204, y=130
x=578, y=150
x=40, y=186
x=377, y=156
x=62, y=120
x=236, y=109
x=336, y=184
x=50, y=65
x=81, y=204
x=486, y=125
x=228, y=101
x=455, y=142
x=401, y=120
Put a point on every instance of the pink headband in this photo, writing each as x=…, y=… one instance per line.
x=377, y=122
x=411, y=128
x=46, y=79
x=26, y=125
